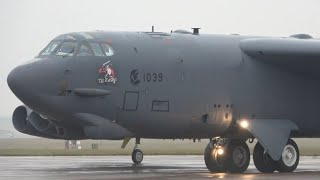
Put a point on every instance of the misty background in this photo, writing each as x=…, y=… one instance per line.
x=27, y=26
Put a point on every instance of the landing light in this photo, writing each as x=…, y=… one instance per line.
x=220, y=151
x=244, y=124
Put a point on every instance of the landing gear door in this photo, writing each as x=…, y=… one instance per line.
x=130, y=102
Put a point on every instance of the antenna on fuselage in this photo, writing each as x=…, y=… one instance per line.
x=152, y=29
x=196, y=31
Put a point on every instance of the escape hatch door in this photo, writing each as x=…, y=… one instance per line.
x=130, y=102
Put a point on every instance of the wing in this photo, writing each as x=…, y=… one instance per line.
x=297, y=55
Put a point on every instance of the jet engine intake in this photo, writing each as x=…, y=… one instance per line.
x=38, y=122
x=29, y=122
x=20, y=119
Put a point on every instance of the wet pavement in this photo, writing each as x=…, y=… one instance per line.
x=121, y=167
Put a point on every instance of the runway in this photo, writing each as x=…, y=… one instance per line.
x=121, y=167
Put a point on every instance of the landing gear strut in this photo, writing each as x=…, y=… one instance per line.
x=223, y=155
x=287, y=163
x=137, y=155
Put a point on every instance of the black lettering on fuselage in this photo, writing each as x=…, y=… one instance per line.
x=152, y=77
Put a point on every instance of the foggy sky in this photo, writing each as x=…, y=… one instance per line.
x=28, y=25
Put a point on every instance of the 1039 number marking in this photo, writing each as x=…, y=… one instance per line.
x=152, y=77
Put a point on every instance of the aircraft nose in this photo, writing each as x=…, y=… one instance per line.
x=15, y=80
x=12, y=79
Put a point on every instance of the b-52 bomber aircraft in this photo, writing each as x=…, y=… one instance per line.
x=228, y=89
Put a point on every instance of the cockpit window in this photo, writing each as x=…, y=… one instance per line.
x=66, y=49
x=96, y=49
x=107, y=49
x=85, y=50
x=51, y=47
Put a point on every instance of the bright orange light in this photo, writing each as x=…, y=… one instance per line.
x=244, y=124
x=220, y=151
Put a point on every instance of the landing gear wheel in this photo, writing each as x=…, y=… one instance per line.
x=263, y=161
x=290, y=157
x=238, y=156
x=137, y=156
x=212, y=159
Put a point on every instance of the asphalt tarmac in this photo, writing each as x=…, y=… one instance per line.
x=121, y=167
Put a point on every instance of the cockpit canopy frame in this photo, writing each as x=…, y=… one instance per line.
x=71, y=47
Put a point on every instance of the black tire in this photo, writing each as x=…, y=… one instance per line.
x=137, y=156
x=213, y=162
x=263, y=161
x=237, y=156
x=285, y=164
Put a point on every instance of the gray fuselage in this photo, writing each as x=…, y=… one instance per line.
x=167, y=86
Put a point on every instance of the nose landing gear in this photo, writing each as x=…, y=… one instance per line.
x=137, y=155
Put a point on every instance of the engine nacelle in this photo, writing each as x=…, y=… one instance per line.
x=44, y=125
x=19, y=119
x=21, y=123
x=29, y=122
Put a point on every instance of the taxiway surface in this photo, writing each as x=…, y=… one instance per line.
x=121, y=167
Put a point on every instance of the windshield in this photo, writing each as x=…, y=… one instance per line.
x=84, y=48
x=66, y=49
x=51, y=47
x=96, y=49
x=107, y=49
x=90, y=49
